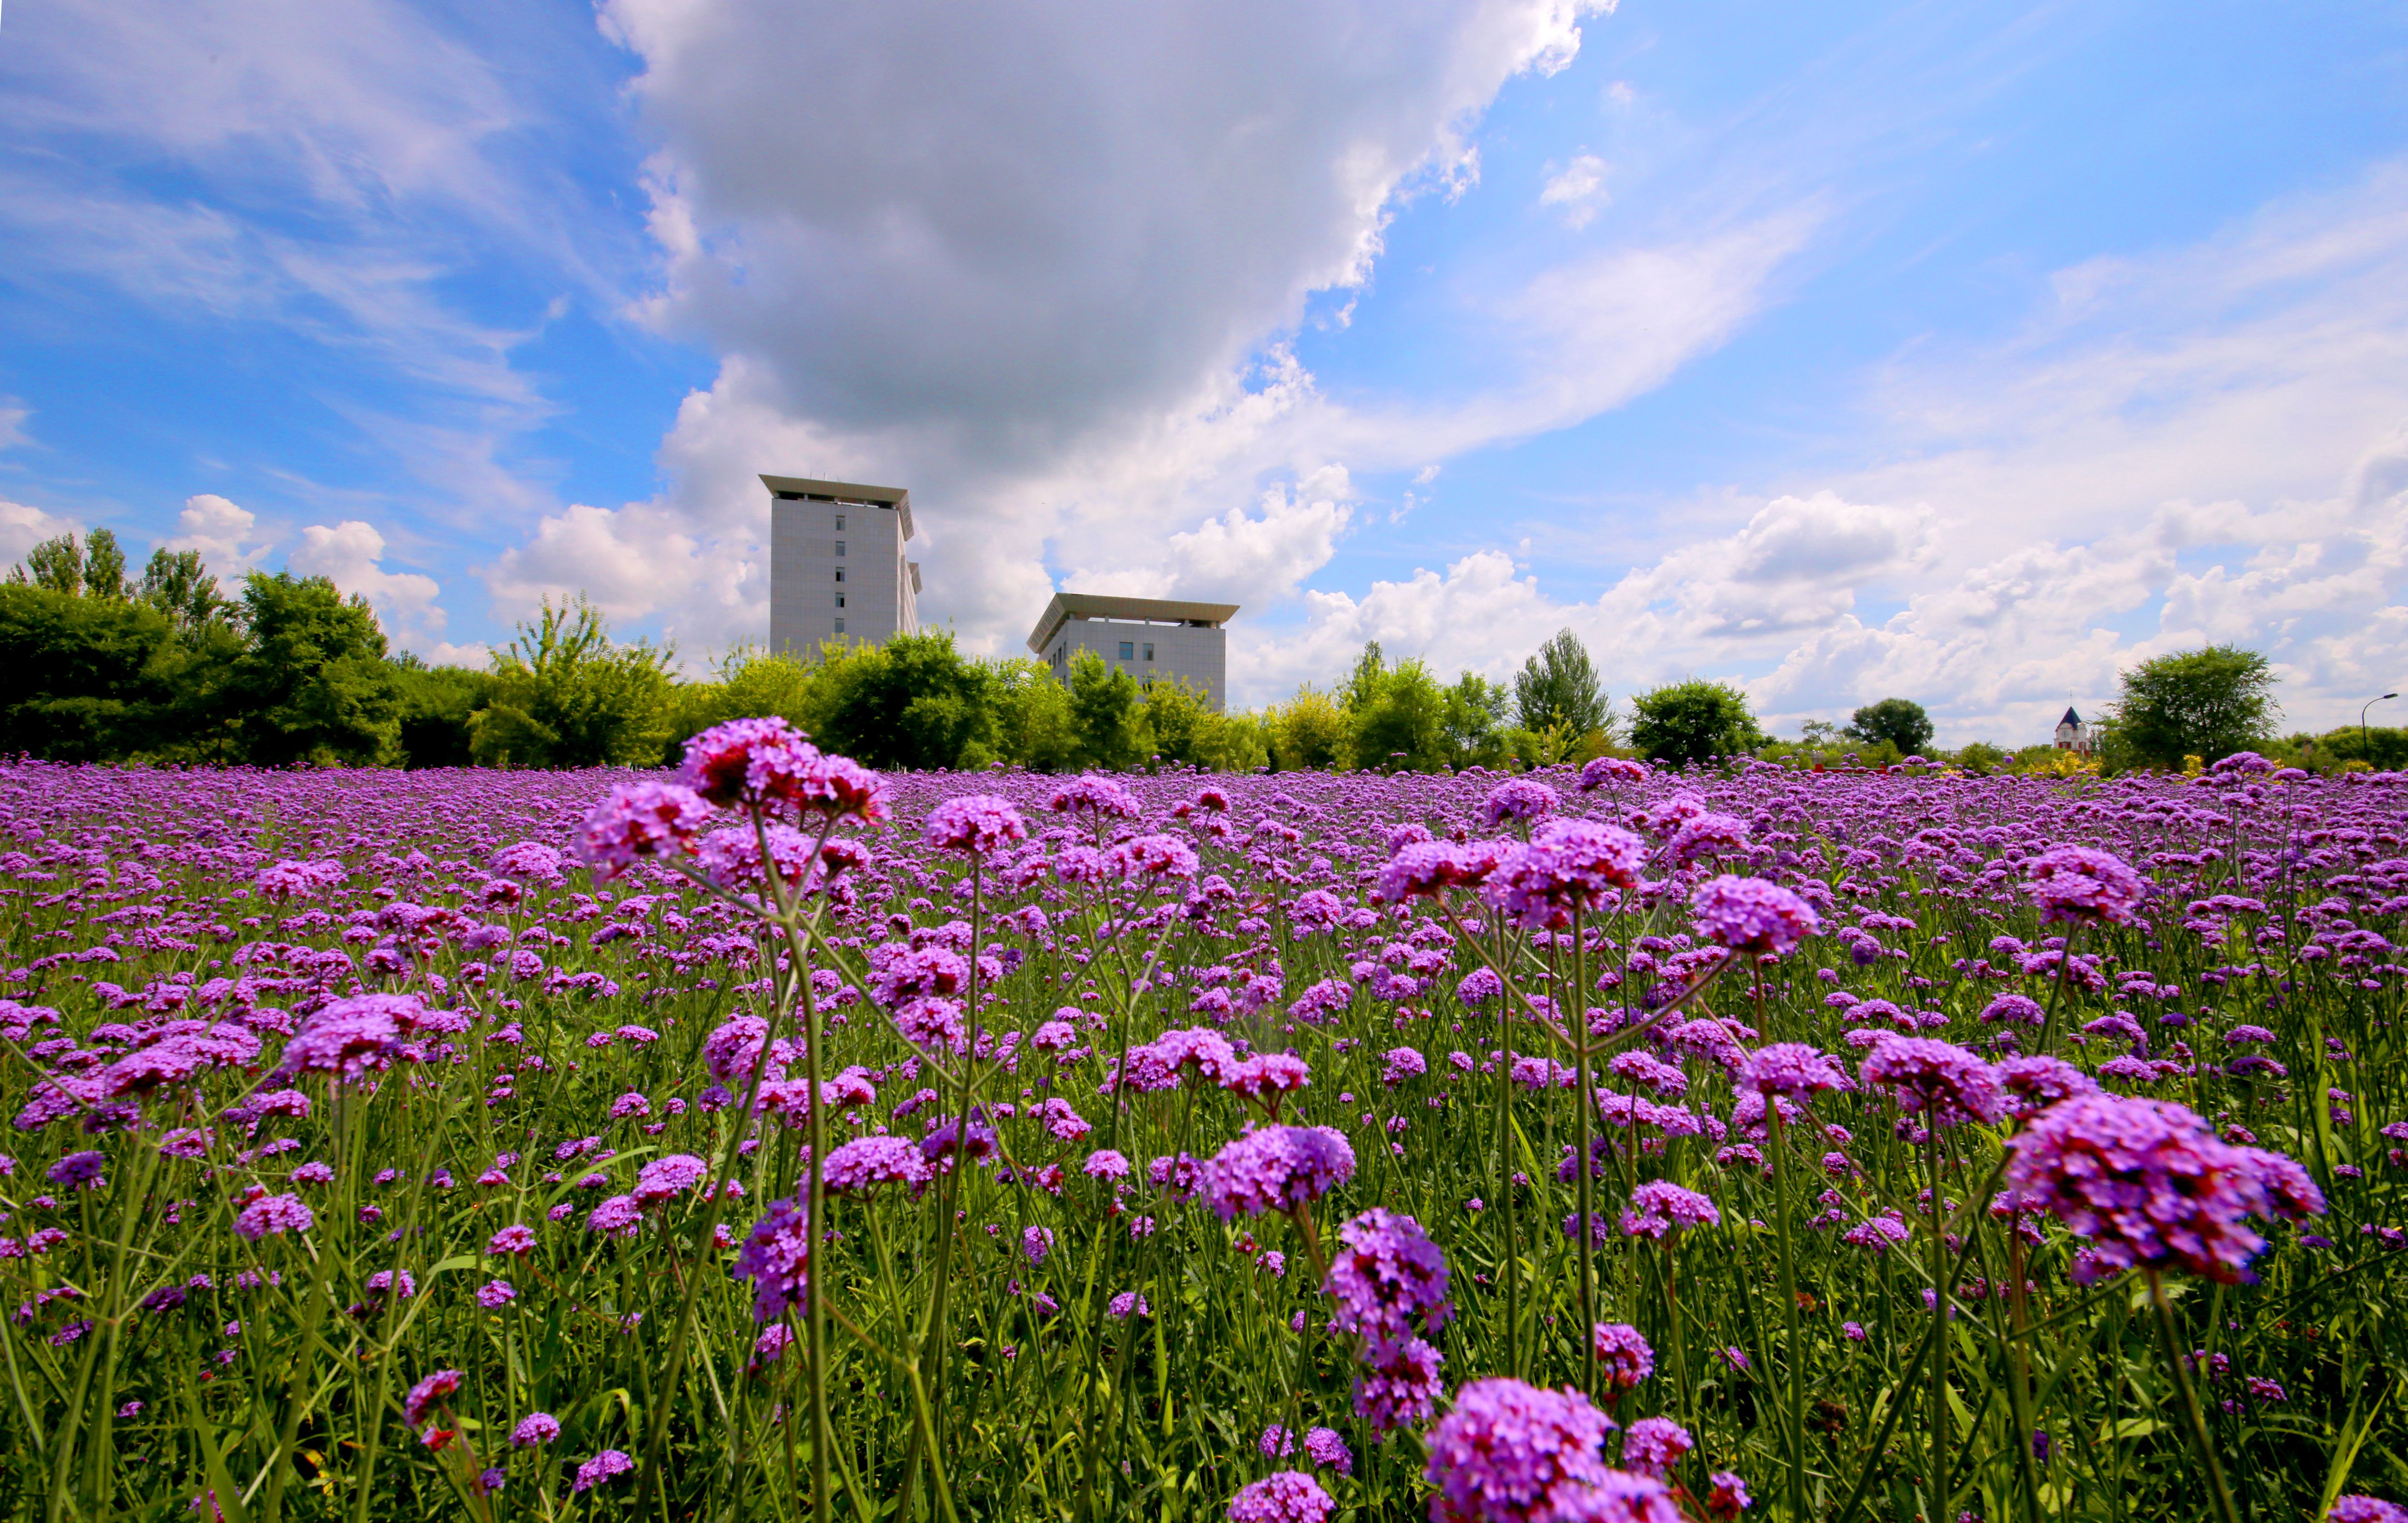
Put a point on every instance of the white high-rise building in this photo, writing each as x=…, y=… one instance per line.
x=837, y=566
x=1146, y=637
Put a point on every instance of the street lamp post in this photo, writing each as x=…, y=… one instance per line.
x=2363, y=742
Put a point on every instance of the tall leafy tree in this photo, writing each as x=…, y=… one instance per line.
x=104, y=567
x=55, y=563
x=1105, y=713
x=84, y=679
x=93, y=568
x=2208, y=702
x=177, y=583
x=437, y=706
x=1175, y=718
x=1559, y=688
x=1399, y=721
x=1034, y=722
x=1475, y=715
x=1901, y=721
x=1310, y=733
x=1692, y=721
x=565, y=694
x=311, y=685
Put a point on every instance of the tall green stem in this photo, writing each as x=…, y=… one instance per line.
x=1793, y=1423
x=1940, y=1288
x=2193, y=1420
x=1583, y=1104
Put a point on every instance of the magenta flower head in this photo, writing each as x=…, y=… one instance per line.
x=1705, y=834
x=78, y=1170
x=345, y=1040
x=638, y=821
x=1400, y=1385
x=1105, y=798
x=618, y=1216
x=602, y=1467
x=1621, y=1497
x=1948, y=1083
x=775, y=1255
x=1426, y=868
x=1569, y=866
x=670, y=1175
x=272, y=1215
x=1276, y=1168
x=1728, y=1496
x=1513, y=1453
x=1611, y=769
x=1788, y=1068
x=1519, y=799
x=2081, y=885
x=1658, y=1208
x=533, y=1428
x=1653, y=1445
x=529, y=861
x=1326, y=1448
x=1750, y=915
x=1152, y=857
x=978, y=823
x=2360, y=1509
x=862, y=1164
x=1287, y=1496
x=1388, y=1275
x=511, y=1239
x=732, y=763
x=299, y=879
x=2034, y=1084
x=2149, y=1185
x=1624, y=1357
x=428, y=1394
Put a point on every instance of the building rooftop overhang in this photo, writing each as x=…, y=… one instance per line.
x=1067, y=607
x=896, y=498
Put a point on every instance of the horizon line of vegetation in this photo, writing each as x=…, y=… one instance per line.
x=167, y=669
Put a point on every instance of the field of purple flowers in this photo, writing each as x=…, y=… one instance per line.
x=1564, y=1147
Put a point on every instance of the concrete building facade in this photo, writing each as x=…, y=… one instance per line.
x=836, y=564
x=1146, y=637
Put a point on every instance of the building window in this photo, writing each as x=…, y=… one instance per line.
x=839, y=626
x=839, y=527
x=840, y=600
x=1128, y=650
x=839, y=574
x=1149, y=651
x=840, y=546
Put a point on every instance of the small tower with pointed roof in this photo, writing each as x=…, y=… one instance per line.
x=2073, y=734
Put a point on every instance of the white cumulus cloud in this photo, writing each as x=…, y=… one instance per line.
x=351, y=554
x=21, y=528
x=224, y=533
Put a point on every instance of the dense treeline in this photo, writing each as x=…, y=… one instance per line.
x=96, y=665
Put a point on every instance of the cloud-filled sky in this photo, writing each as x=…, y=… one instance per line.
x=1962, y=352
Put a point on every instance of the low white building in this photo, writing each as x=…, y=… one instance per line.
x=836, y=564
x=1146, y=637
x=2073, y=734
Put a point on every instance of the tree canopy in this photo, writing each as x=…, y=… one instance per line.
x=1693, y=722
x=1558, y=689
x=1901, y=721
x=2208, y=702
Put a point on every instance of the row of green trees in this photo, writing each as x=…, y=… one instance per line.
x=97, y=664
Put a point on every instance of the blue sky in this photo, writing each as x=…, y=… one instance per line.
x=1963, y=352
